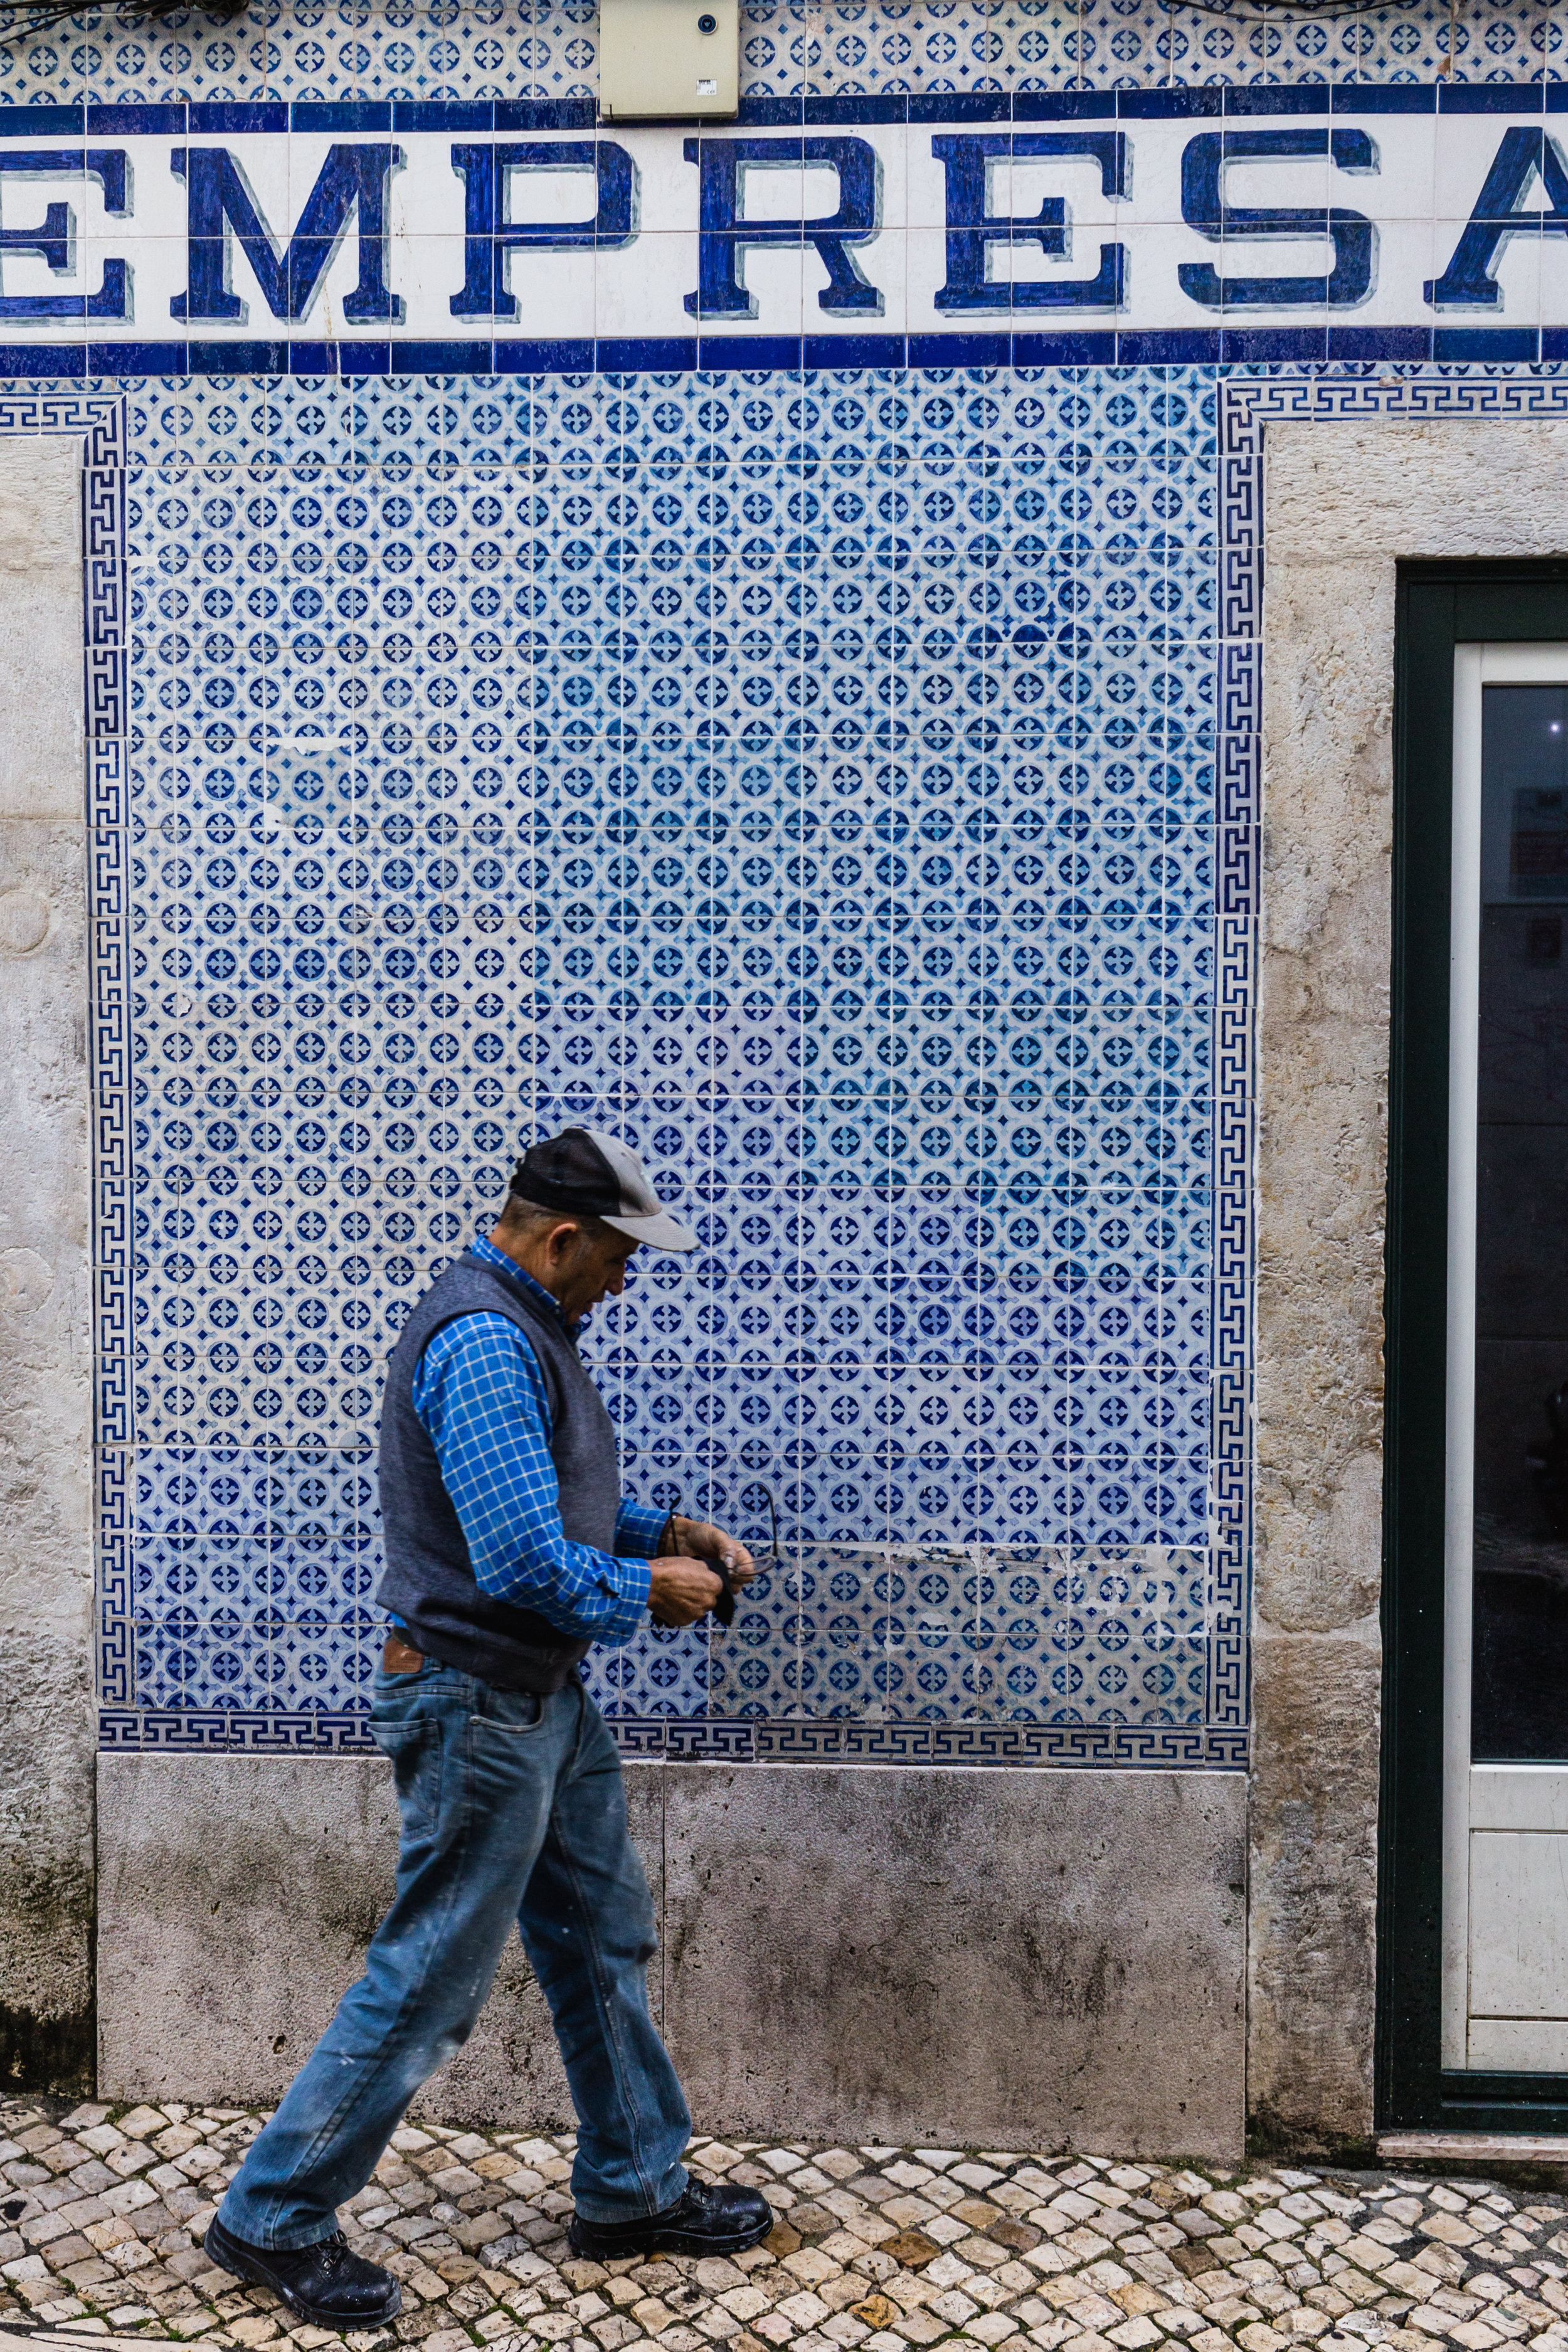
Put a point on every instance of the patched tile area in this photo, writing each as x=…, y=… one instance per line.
x=889, y=2248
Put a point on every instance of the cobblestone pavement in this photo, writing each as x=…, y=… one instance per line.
x=876, y=2247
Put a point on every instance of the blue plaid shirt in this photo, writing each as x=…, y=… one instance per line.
x=481, y=1394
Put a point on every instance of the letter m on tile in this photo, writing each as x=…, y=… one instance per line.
x=351, y=184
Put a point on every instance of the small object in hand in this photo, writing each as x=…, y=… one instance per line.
x=724, y=1607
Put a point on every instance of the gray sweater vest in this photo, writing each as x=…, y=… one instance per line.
x=429, y=1582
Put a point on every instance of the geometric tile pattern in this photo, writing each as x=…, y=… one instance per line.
x=882, y=2247
x=811, y=779
x=477, y=742
x=544, y=49
x=843, y=784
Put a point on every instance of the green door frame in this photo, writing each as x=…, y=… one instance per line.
x=1439, y=605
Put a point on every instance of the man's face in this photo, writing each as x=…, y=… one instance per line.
x=595, y=1268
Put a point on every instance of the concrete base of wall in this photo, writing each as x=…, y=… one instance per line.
x=986, y=1958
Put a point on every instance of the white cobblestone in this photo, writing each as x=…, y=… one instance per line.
x=878, y=2250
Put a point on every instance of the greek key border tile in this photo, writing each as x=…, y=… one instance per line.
x=98, y=421
x=698, y=1738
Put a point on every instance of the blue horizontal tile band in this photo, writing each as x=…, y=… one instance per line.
x=1199, y=346
x=233, y=117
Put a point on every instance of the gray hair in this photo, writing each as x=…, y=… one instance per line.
x=531, y=1219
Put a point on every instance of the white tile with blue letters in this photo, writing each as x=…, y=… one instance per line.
x=835, y=770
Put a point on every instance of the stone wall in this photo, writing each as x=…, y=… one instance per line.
x=1344, y=503
x=47, y=1732
x=994, y=1957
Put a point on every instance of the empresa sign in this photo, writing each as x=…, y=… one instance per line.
x=1351, y=222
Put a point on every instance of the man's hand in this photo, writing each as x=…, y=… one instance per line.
x=700, y=1540
x=681, y=1590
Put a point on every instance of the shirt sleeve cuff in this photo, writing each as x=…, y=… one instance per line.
x=633, y=1578
x=639, y=1529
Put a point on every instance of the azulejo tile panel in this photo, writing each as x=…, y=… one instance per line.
x=548, y=49
x=813, y=779
x=845, y=786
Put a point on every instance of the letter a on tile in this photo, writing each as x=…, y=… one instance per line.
x=1468, y=283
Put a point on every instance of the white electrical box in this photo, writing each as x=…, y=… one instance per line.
x=669, y=60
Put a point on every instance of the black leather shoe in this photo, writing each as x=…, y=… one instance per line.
x=325, y=2283
x=708, y=2219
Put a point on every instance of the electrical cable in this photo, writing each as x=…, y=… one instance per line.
x=40, y=15
x=1241, y=12
x=24, y=20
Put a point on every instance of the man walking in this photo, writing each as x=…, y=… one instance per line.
x=510, y=1550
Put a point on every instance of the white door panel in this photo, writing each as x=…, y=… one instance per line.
x=1518, y=2045
x=1519, y=1797
x=1505, y=1877
x=1518, y=1910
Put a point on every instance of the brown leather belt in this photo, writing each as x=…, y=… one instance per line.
x=400, y=1658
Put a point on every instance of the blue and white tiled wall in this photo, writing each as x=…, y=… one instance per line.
x=812, y=780
x=843, y=785
x=453, y=50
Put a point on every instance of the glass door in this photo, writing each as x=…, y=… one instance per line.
x=1505, y=1792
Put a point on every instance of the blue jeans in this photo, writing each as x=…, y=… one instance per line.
x=513, y=1807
